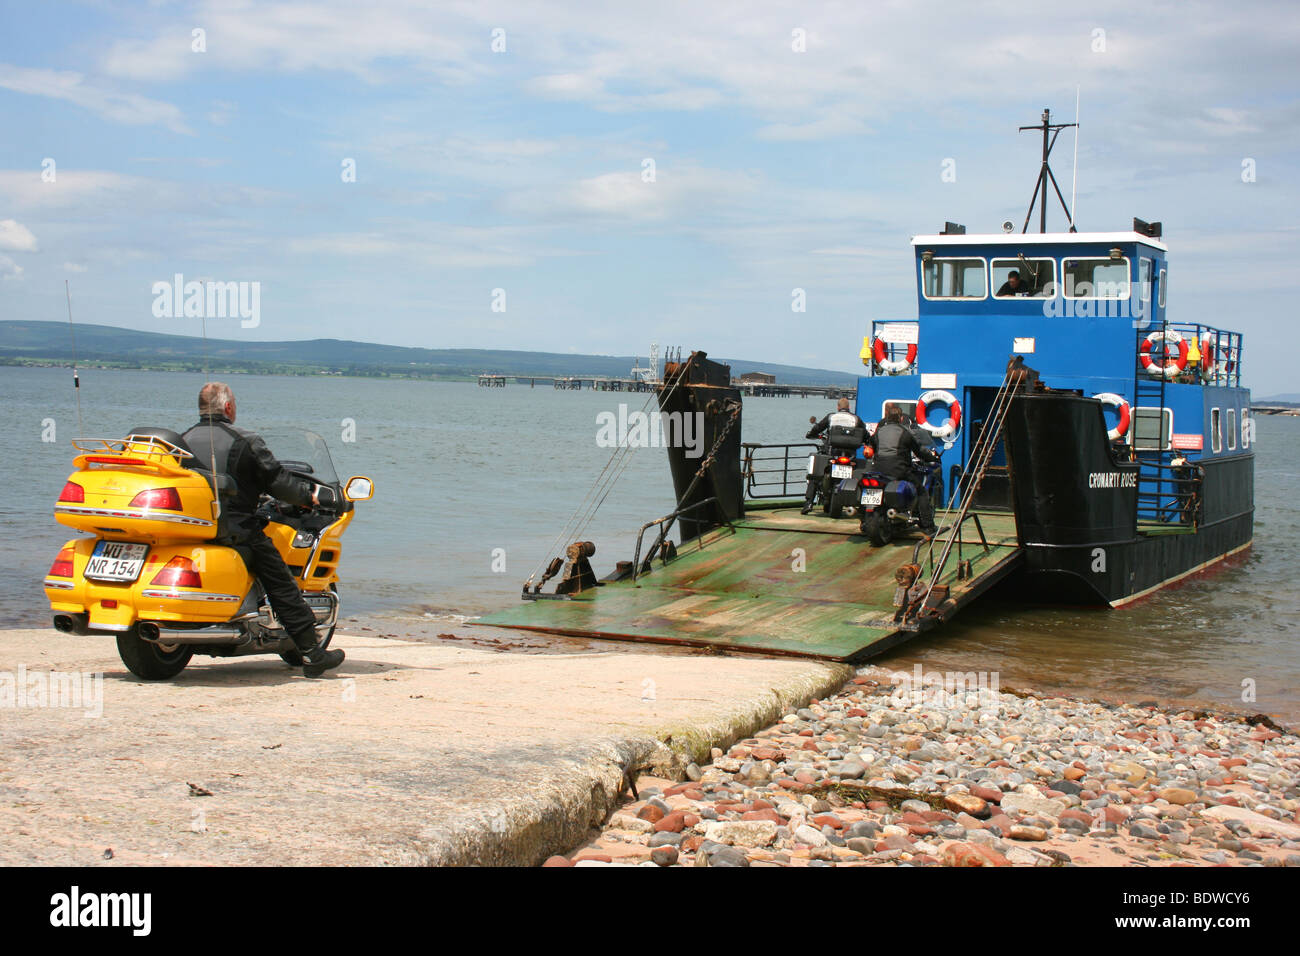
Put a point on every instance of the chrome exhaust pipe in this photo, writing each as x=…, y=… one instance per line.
x=71, y=624
x=151, y=632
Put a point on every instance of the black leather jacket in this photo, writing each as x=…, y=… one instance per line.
x=894, y=445
x=244, y=457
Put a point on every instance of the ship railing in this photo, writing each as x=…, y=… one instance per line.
x=963, y=566
x=1169, y=494
x=776, y=471
x=1221, y=353
x=660, y=548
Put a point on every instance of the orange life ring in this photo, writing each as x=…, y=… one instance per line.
x=951, y=425
x=1125, y=414
x=880, y=355
x=1169, y=369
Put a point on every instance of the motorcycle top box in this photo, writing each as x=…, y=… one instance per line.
x=137, y=488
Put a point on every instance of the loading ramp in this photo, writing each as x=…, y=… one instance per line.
x=778, y=582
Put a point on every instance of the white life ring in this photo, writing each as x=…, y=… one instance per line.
x=1125, y=413
x=951, y=425
x=879, y=355
x=1168, y=369
x=1216, y=359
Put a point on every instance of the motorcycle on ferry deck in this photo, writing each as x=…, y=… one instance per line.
x=835, y=468
x=888, y=506
x=148, y=572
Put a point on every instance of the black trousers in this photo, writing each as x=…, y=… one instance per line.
x=281, y=590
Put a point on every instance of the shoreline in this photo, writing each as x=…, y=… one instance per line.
x=464, y=746
x=421, y=624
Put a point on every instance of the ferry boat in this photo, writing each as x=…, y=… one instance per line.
x=1094, y=451
x=1136, y=467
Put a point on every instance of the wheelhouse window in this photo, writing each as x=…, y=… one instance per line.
x=1246, y=428
x=1014, y=278
x=1144, y=279
x=1216, y=431
x=1232, y=429
x=954, y=279
x=1152, y=429
x=1096, y=278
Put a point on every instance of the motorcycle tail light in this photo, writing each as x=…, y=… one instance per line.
x=870, y=483
x=62, y=566
x=842, y=460
x=72, y=492
x=178, y=573
x=166, y=498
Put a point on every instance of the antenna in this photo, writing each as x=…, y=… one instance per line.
x=76, y=377
x=1074, y=178
x=212, y=444
x=1045, y=173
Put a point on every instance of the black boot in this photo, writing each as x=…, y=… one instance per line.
x=316, y=660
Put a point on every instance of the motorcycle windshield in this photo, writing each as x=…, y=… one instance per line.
x=302, y=452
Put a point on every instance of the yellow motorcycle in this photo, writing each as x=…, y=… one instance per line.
x=148, y=572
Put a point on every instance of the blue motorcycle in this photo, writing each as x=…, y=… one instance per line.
x=888, y=506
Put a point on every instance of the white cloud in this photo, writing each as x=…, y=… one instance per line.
x=432, y=245
x=16, y=237
x=677, y=192
x=9, y=269
x=74, y=87
x=294, y=37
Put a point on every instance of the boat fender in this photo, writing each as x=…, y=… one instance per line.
x=951, y=425
x=1125, y=414
x=1171, y=368
x=880, y=356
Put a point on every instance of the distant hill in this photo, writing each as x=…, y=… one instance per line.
x=26, y=343
x=1291, y=398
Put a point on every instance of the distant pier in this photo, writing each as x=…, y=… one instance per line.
x=576, y=383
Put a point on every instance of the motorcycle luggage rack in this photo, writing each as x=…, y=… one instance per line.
x=119, y=446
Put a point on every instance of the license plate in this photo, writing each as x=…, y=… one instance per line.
x=841, y=471
x=116, y=561
x=872, y=497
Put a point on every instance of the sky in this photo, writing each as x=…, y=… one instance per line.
x=596, y=177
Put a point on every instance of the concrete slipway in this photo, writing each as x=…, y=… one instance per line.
x=483, y=747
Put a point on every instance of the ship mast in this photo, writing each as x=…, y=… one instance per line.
x=1045, y=173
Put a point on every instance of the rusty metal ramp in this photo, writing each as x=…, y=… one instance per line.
x=776, y=582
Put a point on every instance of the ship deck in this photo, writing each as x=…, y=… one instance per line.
x=776, y=582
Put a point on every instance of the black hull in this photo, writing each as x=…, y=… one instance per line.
x=1077, y=508
x=702, y=387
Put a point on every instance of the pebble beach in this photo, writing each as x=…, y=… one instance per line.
x=884, y=775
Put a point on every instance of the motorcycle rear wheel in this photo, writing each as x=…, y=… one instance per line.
x=149, y=661
x=878, y=529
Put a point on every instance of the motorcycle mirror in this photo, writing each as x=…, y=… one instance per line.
x=812, y=419
x=359, y=488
